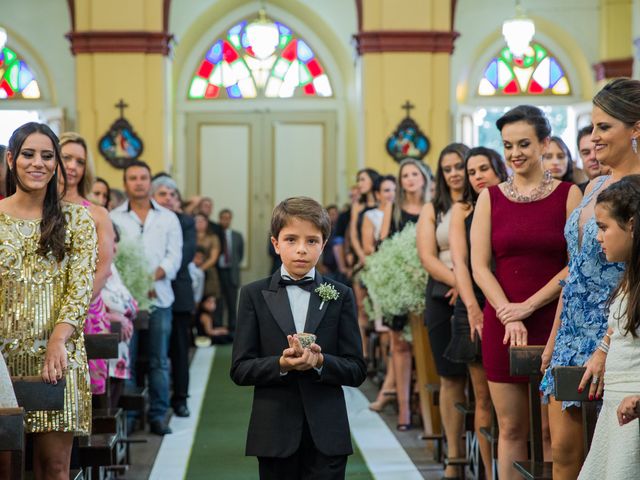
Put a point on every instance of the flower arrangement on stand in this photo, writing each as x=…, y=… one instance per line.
x=132, y=267
x=395, y=278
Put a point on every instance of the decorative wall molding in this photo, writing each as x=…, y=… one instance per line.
x=622, y=67
x=405, y=41
x=119, y=42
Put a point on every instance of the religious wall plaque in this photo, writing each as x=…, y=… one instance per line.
x=408, y=141
x=121, y=145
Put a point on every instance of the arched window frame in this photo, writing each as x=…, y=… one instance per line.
x=293, y=70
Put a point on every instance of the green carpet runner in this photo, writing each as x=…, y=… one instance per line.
x=218, y=448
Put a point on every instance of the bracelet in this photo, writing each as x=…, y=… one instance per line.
x=603, y=347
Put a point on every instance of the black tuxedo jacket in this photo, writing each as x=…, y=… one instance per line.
x=282, y=402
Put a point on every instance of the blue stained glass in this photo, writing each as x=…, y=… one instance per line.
x=491, y=73
x=555, y=73
x=234, y=92
x=25, y=76
x=236, y=30
x=245, y=40
x=304, y=52
x=214, y=55
x=282, y=29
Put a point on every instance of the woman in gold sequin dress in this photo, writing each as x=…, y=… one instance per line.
x=47, y=266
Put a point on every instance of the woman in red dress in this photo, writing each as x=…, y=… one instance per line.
x=518, y=227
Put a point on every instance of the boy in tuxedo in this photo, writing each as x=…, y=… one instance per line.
x=299, y=427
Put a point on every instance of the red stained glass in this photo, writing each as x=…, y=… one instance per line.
x=511, y=88
x=309, y=89
x=5, y=86
x=535, y=87
x=314, y=68
x=250, y=51
x=229, y=53
x=205, y=69
x=518, y=61
x=290, y=51
x=212, y=91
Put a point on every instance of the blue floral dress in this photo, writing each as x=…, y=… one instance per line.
x=586, y=290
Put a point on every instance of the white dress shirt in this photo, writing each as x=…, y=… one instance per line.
x=160, y=238
x=298, y=299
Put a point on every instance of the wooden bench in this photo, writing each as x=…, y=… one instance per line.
x=526, y=361
x=31, y=394
x=427, y=376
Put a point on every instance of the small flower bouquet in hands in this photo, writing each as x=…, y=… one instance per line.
x=394, y=276
x=132, y=267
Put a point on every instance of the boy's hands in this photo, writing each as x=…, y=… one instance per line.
x=297, y=358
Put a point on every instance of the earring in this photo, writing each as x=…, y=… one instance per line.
x=634, y=145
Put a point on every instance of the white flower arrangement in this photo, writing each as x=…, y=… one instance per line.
x=327, y=292
x=132, y=267
x=394, y=276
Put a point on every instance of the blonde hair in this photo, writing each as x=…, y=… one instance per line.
x=425, y=195
x=86, y=182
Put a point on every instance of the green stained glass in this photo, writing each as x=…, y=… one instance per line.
x=506, y=54
x=9, y=55
x=305, y=76
x=249, y=62
x=284, y=41
x=12, y=78
x=540, y=52
x=235, y=41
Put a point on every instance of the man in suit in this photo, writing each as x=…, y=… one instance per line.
x=231, y=254
x=299, y=427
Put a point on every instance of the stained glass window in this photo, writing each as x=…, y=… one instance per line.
x=259, y=58
x=536, y=73
x=16, y=79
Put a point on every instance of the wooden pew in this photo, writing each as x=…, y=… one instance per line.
x=427, y=375
x=526, y=361
x=12, y=439
x=103, y=447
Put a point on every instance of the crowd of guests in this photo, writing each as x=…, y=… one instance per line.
x=525, y=250
x=61, y=231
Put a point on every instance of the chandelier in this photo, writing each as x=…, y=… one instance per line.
x=263, y=36
x=518, y=32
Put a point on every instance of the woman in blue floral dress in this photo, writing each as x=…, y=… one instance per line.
x=581, y=321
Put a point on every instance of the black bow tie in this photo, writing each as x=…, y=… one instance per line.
x=306, y=283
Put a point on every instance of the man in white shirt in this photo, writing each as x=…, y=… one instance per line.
x=158, y=232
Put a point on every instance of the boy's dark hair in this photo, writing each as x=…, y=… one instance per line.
x=583, y=132
x=225, y=210
x=528, y=114
x=303, y=208
x=622, y=200
x=135, y=163
x=201, y=250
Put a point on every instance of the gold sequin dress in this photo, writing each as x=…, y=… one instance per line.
x=36, y=293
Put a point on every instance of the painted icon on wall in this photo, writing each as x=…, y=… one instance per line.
x=408, y=141
x=121, y=145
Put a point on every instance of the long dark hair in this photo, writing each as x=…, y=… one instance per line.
x=373, y=176
x=53, y=224
x=469, y=195
x=622, y=200
x=106, y=184
x=442, y=200
x=568, y=175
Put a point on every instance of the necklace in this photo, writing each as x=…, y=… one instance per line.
x=537, y=193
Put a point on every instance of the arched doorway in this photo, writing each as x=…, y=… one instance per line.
x=260, y=110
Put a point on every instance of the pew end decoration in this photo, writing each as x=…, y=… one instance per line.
x=394, y=277
x=132, y=267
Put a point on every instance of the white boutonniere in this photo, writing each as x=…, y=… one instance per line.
x=327, y=292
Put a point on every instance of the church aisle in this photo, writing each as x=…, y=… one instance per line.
x=217, y=449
